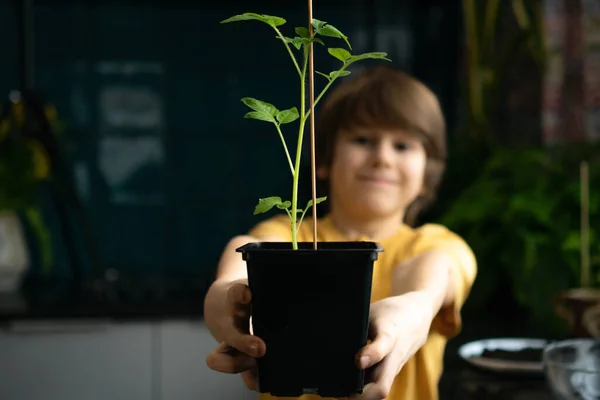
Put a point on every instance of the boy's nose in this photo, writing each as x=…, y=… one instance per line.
x=383, y=154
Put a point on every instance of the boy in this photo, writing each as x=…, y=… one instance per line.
x=381, y=151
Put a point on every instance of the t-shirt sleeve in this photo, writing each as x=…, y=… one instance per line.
x=435, y=237
x=275, y=227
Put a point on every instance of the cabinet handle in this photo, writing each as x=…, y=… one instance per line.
x=57, y=326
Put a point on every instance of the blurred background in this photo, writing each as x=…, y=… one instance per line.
x=126, y=165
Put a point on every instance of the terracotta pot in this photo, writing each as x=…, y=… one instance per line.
x=573, y=304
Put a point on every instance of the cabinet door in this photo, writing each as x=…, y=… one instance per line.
x=76, y=360
x=185, y=376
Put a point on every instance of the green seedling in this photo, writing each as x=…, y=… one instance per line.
x=267, y=112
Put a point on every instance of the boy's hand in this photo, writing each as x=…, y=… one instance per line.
x=239, y=348
x=398, y=326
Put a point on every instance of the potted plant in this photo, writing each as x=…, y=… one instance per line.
x=24, y=167
x=314, y=325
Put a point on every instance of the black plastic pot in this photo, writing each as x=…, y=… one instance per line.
x=311, y=307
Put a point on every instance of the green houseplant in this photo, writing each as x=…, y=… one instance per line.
x=314, y=327
x=521, y=217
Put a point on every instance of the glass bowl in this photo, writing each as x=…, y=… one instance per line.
x=572, y=369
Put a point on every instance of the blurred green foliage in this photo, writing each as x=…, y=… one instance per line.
x=521, y=216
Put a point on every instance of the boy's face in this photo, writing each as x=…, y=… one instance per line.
x=376, y=173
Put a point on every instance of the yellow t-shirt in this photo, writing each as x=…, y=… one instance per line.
x=419, y=377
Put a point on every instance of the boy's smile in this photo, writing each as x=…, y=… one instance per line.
x=378, y=180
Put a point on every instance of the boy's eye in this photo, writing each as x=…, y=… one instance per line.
x=361, y=140
x=401, y=146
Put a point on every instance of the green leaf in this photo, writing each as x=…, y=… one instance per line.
x=259, y=116
x=378, y=55
x=339, y=74
x=261, y=106
x=571, y=242
x=318, y=25
x=341, y=54
x=244, y=17
x=296, y=42
x=332, y=31
x=263, y=111
x=319, y=200
x=334, y=74
x=302, y=32
x=267, y=19
x=325, y=75
x=287, y=116
x=285, y=205
x=274, y=21
x=315, y=40
x=266, y=204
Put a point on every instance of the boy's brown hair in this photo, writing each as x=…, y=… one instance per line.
x=387, y=98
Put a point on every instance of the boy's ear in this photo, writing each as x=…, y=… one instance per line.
x=322, y=172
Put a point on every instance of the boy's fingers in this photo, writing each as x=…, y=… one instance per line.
x=379, y=387
x=377, y=350
x=373, y=391
x=239, y=297
x=228, y=360
x=245, y=343
x=237, y=332
x=250, y=378
x=239, y=294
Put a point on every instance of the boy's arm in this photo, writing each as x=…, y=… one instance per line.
x=433, y=273
x=444, y=268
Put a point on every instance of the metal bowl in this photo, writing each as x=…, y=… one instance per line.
x=572, y=369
